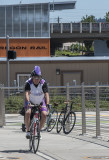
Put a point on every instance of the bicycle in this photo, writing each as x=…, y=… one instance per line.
x=66, y=120
x=51, y=119
x=35, y=128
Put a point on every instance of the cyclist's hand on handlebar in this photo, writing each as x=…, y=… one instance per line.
x=48, y=106
x=28, y=104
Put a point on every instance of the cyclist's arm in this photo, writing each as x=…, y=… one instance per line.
x=45, y=90
x=27, y=92
x=47, y=98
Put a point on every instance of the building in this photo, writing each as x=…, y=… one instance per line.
x=27, y=25
x=58, y=70
x=25, y=28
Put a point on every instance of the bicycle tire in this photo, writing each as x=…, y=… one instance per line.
x=31, y=136
x=52, y=121
x=30, y=143
x=69, y=122
x=60, y=122
x=36, y=136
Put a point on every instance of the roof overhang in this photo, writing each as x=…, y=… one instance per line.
x=53, y=5
x=62, y=5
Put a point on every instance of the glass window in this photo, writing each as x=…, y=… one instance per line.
x=31, y=21
x=23, y=12
x=45, y=12
x=9, y=21
x=22, y=78
x=2, y=22
x=25, y=20
x=16, y=21
x=45, y=20
x=38, y=20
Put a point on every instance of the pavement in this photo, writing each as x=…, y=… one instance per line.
x=53, y=146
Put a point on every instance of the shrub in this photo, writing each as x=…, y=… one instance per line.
x=13, y=104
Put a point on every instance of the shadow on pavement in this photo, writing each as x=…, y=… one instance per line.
x=14, y=151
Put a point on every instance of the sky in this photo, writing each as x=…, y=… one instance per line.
x=98, y=8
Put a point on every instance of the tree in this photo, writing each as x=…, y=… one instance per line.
x=87, y=18
x=107, y=16
x=88, y=45
x=91, y=18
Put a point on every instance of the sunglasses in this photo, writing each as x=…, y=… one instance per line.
x=37, y=78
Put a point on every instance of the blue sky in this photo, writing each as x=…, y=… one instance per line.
x=98, y=8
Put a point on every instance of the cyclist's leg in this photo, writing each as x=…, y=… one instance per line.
x=43, y=118
x=27, y=118
x=43, y=114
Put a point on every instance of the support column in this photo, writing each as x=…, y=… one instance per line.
x=83, y=110
x=2, y=107
x=97, y=111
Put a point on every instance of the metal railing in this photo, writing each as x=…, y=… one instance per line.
x=91, y=104
x=79, y=27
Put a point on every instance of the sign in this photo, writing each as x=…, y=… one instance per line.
x=26, y=47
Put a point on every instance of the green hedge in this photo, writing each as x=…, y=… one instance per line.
x=13, y=104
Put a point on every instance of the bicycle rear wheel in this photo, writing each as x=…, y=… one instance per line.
x=52, y=121
x=60, y=122
x=36, y=136
x=69, y=122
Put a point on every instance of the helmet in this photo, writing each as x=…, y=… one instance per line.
x=36, y=71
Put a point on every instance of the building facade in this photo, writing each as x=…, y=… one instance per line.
x=27, y=26
x=58, y=71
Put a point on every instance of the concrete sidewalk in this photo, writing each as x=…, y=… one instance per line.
x=53, y=146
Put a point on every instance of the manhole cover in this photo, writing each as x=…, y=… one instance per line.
x=98, y=157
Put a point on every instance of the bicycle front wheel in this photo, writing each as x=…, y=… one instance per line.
x=69, y=122
x=30, y=142
x=60, y=122
x=36, y=136
x=52, y=121
x=31, y=136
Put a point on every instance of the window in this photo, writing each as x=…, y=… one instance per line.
x=21, y=79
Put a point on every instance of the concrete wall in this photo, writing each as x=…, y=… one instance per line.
x=100, y=48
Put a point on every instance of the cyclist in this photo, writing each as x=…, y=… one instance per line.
x=36, y=91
